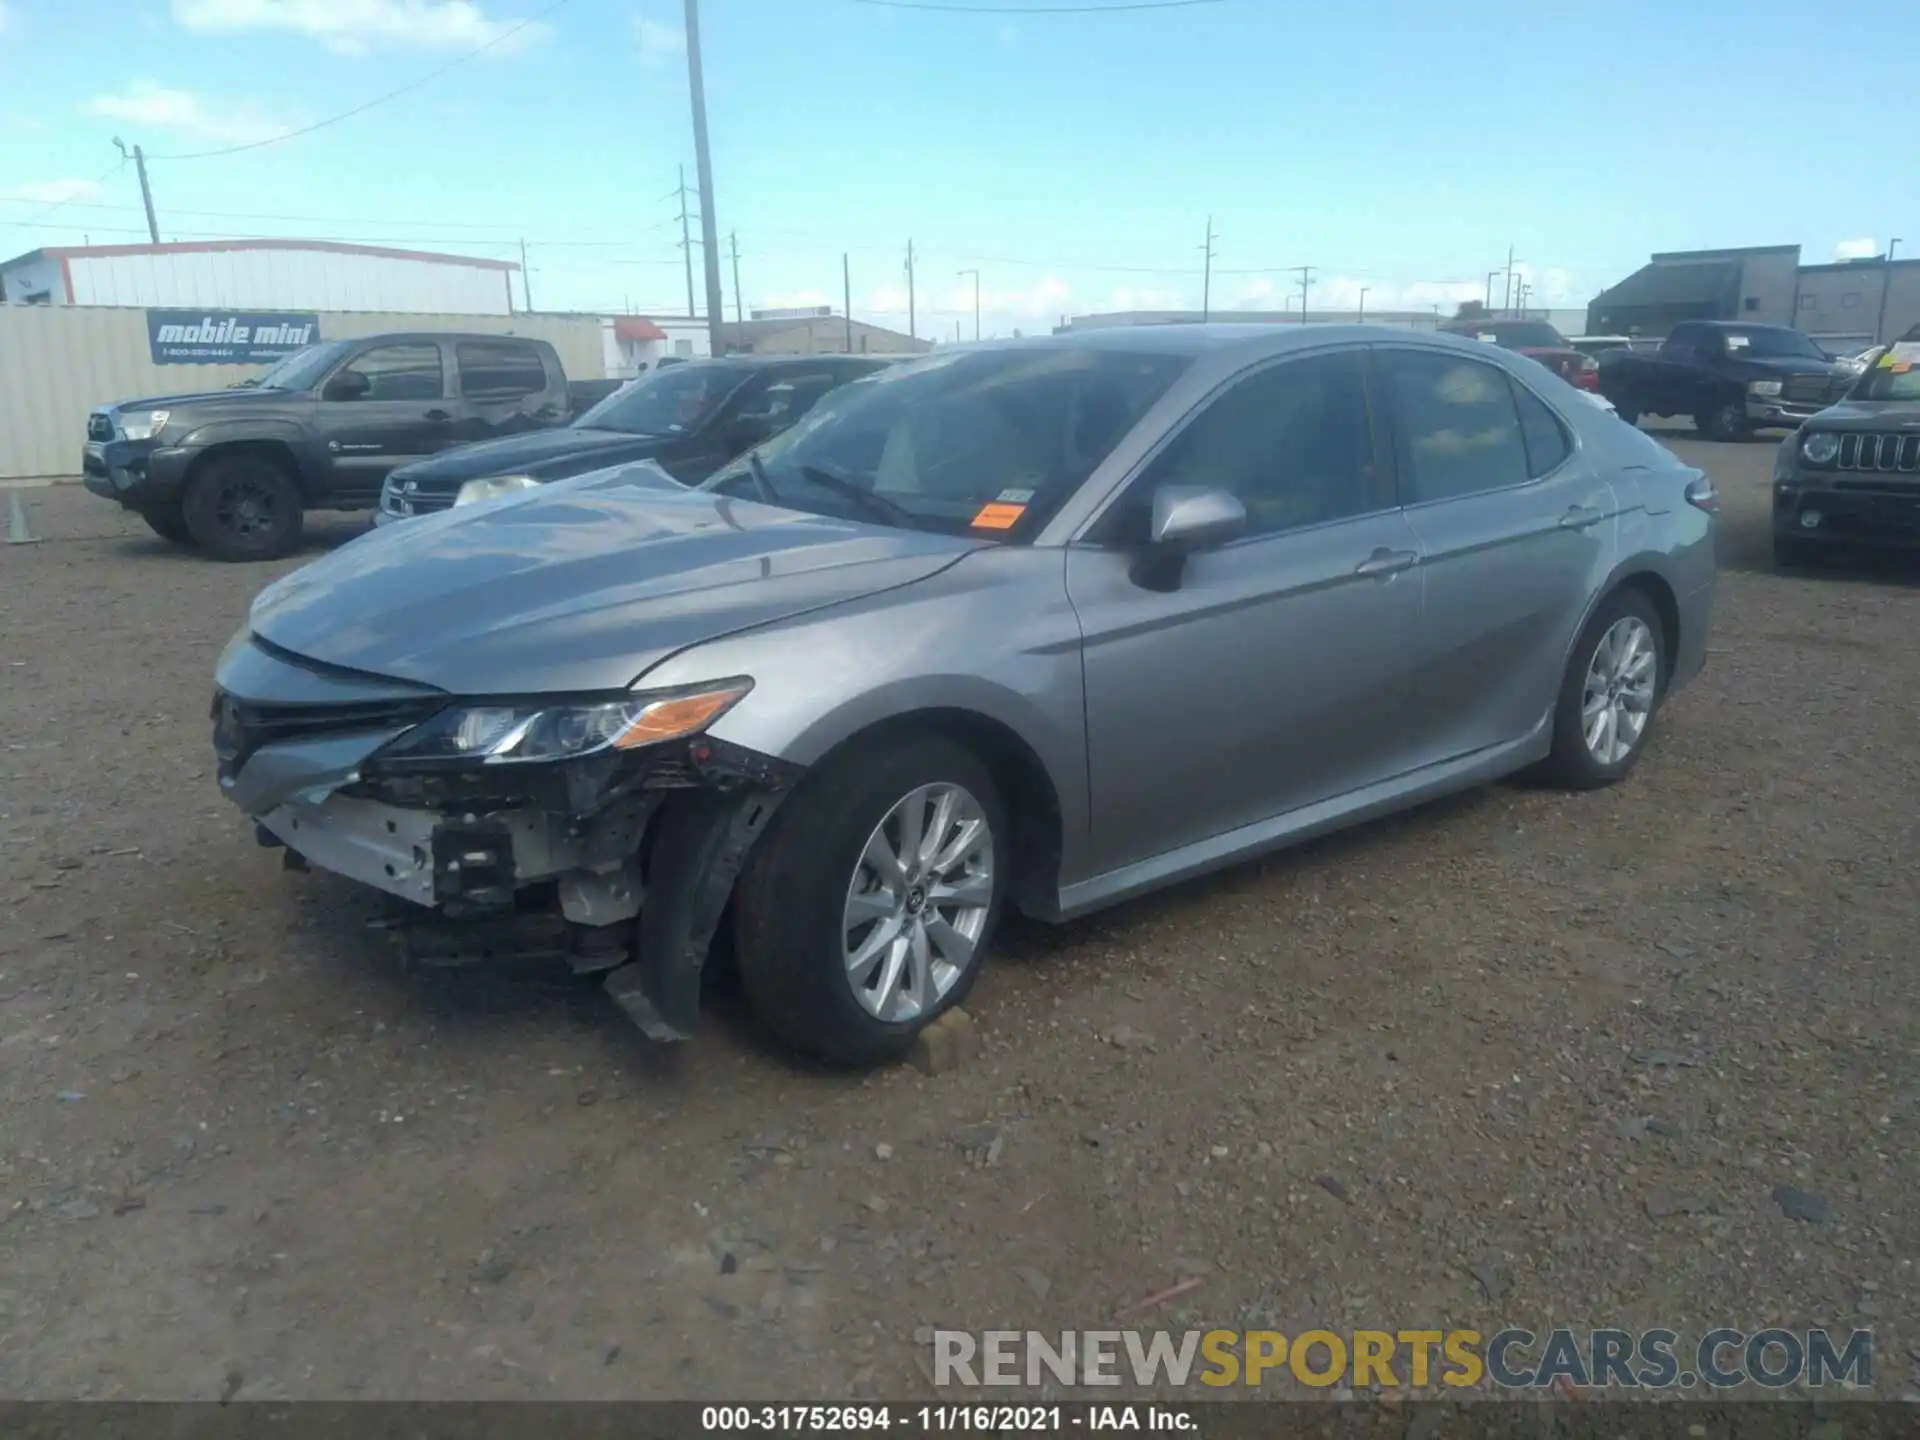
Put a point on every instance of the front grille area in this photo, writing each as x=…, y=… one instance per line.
x=240, y=727
x=398, y=500
x=99, y=427
x=1813, y=389
x=1879, y=452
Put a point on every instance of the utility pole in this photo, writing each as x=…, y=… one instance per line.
x=733, y=243
x=1886, y=284
x=1361, y=318
x=1488, y=306
x=912, y=318
x=846, y=281
x=526, y=279
x=1206, y=283
x=1306, y=279
x=146, y=190
x=703, y=163
x=976, y=300
x=686, y=240
x=1506, y=294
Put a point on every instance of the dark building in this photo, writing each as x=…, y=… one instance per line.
x=1846, y=305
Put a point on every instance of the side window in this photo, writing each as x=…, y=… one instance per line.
x=1547, y=442
x=786, y=399
x=499, y=369
x=1458, y=423
x=391, y=372
x=1292, y=442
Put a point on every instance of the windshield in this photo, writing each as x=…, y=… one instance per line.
x=1771, y=344
x=667, y=402
x=302, y=369
x=1517, y=334
x=989, y=443
x=1894, y=376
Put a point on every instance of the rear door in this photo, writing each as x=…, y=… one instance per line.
x=504, y=389
x=1517, y=532
x=1274, y=674
x=386, y=406
x=759, y=410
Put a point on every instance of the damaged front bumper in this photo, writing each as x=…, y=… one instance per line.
x=629, y=855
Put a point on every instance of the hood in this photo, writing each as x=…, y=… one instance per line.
x=238, y=398
x=541, y=453
x=1791, y=365
x=1877, y=415
x=581, y=585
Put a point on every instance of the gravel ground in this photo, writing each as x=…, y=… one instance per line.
x=1517, y=1058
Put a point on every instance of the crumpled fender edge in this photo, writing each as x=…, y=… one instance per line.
x=698, y=851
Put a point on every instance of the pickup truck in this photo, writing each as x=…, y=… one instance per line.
x=232, y=472
x=1731, y=379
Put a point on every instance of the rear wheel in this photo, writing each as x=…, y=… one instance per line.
x=866, y=909
x=243, y=507
x=1725, y=421
x=1609, y=694
x=1627, y=410
x=168, y=524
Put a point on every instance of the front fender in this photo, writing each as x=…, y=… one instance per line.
x=310, y=469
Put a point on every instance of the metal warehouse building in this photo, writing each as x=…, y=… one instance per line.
x=261, y=275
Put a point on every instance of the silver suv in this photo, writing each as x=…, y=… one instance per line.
x=1043, y=624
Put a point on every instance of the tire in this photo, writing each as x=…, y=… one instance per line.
x=1573, y=763
x=1726, y=422
x=791, y=905
x=1628, y=412
x=243, y=507
x=1790, y=552
x=168, y=524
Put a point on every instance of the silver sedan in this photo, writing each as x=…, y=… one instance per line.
x=1044, y=624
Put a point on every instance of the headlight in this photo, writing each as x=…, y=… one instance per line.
x=493, y=487
x=1766, y=388
x=1820, y=448
x=143, y=427
x=566, y=730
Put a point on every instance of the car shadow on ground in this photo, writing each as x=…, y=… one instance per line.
x=321, y=535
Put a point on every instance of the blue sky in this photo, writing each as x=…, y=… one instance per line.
x=1072, y=158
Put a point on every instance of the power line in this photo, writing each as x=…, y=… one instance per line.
x=1113, y=9
x=361, y=109
x=104, y=176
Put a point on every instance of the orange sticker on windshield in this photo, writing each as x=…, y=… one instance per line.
x=998, y=516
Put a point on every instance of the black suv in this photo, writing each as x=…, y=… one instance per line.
x=231, y=472
x=689, y=419
x=1851, y=474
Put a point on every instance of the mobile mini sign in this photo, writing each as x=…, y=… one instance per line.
x=227, y=337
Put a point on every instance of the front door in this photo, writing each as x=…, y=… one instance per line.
x=1274, y=674
x=383, y=408
x=1518, y=532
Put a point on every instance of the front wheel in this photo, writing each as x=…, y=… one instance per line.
x=1608, y=696
x=243, y=507
x=866, y=909
x=1726, y=421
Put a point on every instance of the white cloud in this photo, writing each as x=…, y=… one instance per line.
x=1864, y=248
x=154, y=106
x=52, y=192
x=5, y=18
x=658, y=43
x=355, y=27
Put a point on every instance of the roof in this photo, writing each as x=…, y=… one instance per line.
x=1873, y=264
x=1730, y=253
x=205, y=247
x=1674, y=283
x=636, y=327
x=754, y=329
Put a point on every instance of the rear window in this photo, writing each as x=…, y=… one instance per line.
x=499, y=369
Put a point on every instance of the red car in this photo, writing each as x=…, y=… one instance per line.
x=1537, y=340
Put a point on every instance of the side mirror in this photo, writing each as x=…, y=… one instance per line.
x=1186, y=519
x=347, y=385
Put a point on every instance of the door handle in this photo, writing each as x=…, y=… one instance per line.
x=1384, y=562
x=1580, y=517
x=438, y=416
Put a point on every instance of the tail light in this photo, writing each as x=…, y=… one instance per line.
x=1586, y=374
x=1702, y=495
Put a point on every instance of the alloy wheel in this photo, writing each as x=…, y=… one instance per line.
x=1617, y=698
x=246, y=507
x=917, y=903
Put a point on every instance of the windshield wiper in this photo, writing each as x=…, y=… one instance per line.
x=873, y=502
